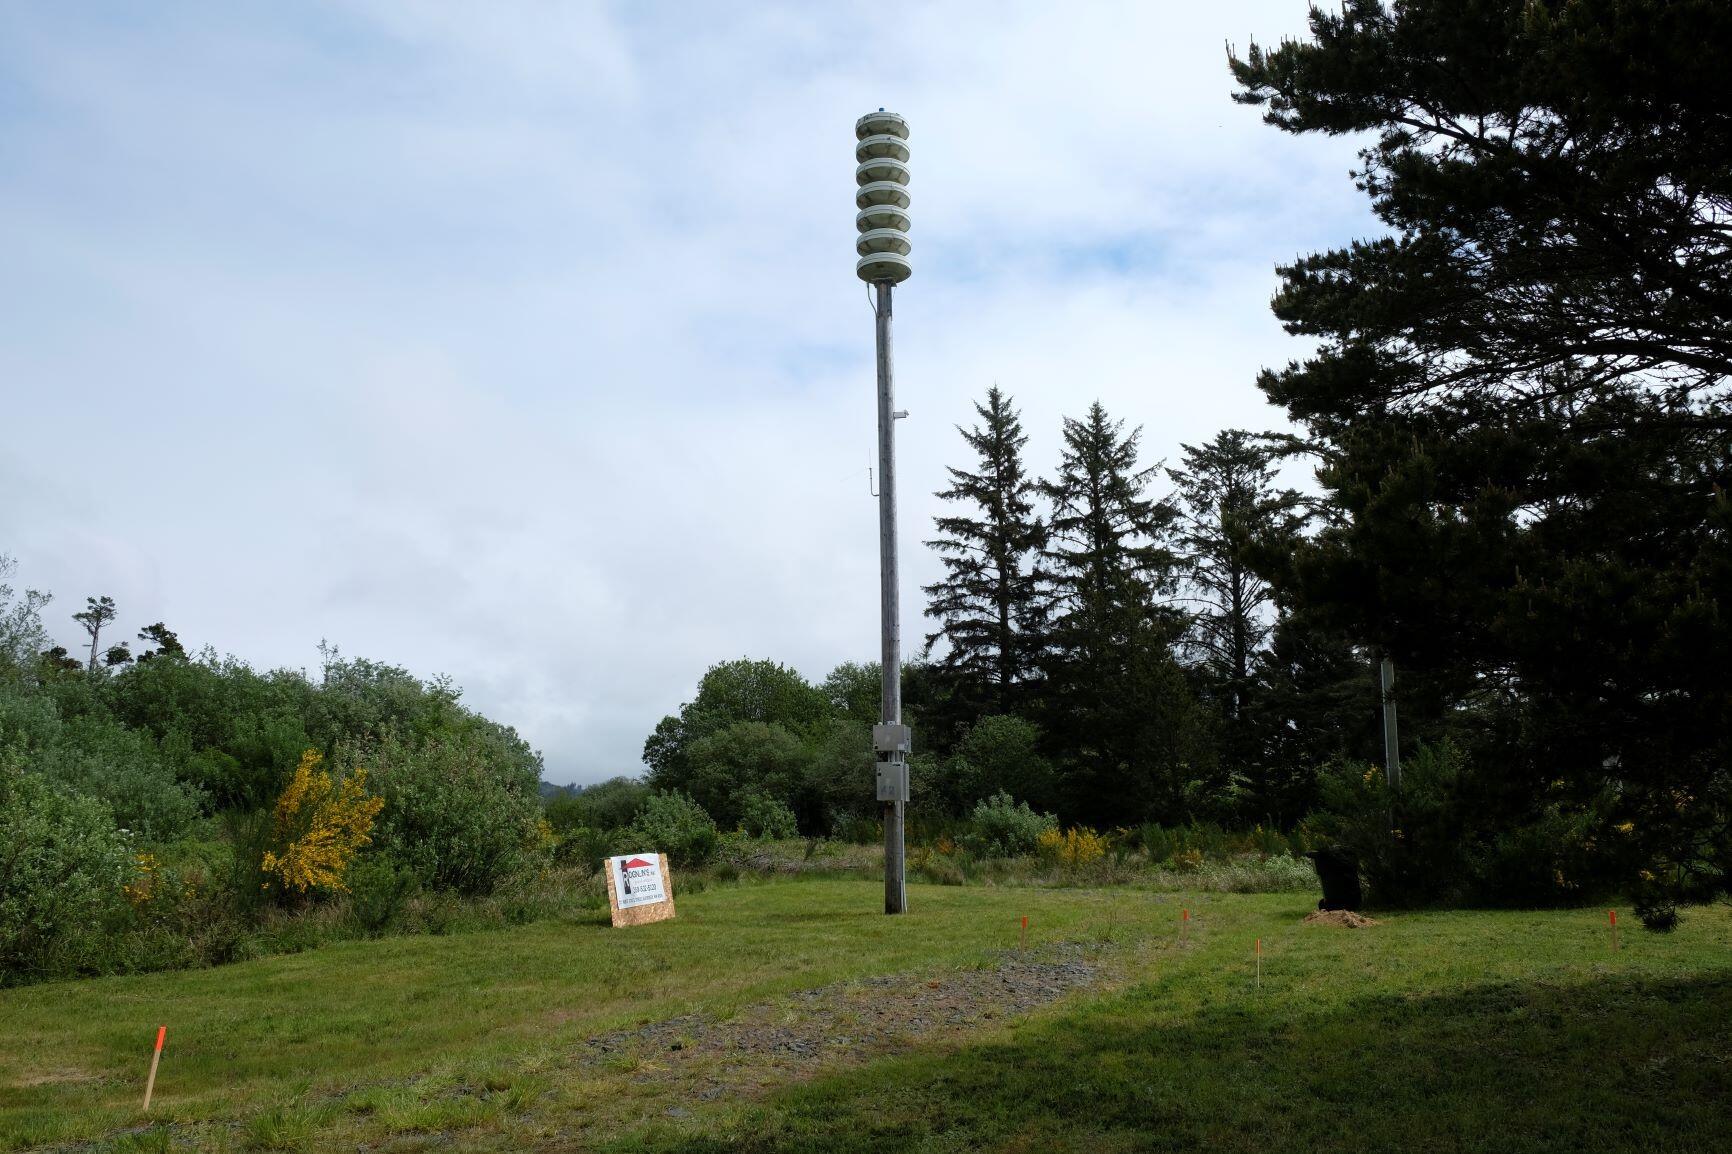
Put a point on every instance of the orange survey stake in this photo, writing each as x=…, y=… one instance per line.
x=155, y=1057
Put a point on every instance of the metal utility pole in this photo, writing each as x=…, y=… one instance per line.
x=890, y=738
x=881, y=151
x=1391, y=740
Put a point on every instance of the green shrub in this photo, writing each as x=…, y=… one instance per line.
x=125, y=772
x=250, y=834
x=1002, y=752
x=93, y=756
x=857, y=829
x=225, y=779
x=456, y=814
x=839, y=786
x=939, y=870
x=1206, y=837
x=261, y=753
x=379, y=891
x=27, y=721
x=61, y=872
x=672, y=824
x=763, y=816
x=1268, y=842
x=1158, y=843
x=606, y=805
x=1004, y=827
x=727, y=767
x=584, y=846
x=1448, y=845
x=1246, y=875
x=235, y=733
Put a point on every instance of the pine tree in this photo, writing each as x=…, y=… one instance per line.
x=98, y=612
x=1118, y=705
x=1229, y=509
x=1520, y=395
x=988, y=605
x=1105, y=557
x=166, y=641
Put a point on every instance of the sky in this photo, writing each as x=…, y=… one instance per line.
x=521, y=342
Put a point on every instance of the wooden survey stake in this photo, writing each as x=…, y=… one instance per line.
x=155, y=1057
x=639, y=888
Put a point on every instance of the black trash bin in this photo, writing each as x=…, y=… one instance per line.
x=1338, y=870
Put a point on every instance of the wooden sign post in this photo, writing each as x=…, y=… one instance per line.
x=639, y=888
x=1612, y=916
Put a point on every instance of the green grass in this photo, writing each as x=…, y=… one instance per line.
x=1495, y=1031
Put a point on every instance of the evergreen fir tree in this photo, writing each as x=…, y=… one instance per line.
x=1231, y=517
x=1229, y=509
x=1118, y=705
x=1521, y=396
x=1106, y=561
x=988, y=606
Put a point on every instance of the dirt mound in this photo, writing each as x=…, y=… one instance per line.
x=1346, y=918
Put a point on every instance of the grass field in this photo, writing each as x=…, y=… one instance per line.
x=1485, y=1030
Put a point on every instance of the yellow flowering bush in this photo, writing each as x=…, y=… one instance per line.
x=142, y=887
x=1188, y=861
x=317, y=828
x=545, y=839
x=1074, y=847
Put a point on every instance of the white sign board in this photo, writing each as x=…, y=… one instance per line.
x=637, y=880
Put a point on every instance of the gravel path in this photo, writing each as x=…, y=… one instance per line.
x=772, y=1042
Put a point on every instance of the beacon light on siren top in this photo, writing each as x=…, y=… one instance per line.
x=881, y=153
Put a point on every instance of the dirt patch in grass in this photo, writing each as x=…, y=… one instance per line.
x=1344, y=918
x=769, y=1043
x=53, y=1077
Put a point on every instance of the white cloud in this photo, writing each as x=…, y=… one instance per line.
x=521, y=342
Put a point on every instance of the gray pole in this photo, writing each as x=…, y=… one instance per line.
x=881, y=149
x=1391, y=740
x=892, y=762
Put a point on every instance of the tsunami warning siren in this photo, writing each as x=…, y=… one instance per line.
x=882, y=156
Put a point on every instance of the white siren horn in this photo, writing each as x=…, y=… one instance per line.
x=881, y=152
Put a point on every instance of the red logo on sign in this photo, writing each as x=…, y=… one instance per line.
x=638, y=863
